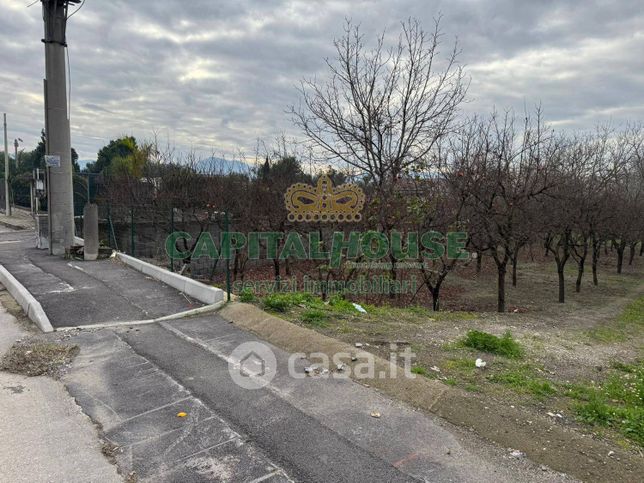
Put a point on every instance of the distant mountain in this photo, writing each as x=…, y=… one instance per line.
x=221, y=166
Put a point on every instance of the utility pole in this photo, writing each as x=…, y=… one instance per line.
x=60, y=194
x=7, y=193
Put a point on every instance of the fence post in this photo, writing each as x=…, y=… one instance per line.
x=110, y=228
x=171, y=232
x=132, y=230
x=227, y=239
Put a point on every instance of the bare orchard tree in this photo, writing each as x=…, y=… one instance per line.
x=383, y=109
x=502, y=170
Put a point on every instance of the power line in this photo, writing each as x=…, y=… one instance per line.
x=76, y=11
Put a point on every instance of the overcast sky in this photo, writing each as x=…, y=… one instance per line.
x=214, y=76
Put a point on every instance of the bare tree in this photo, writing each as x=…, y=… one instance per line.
x=382, y=110
x=503, y=170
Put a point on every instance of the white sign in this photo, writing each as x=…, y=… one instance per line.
x=53, y=161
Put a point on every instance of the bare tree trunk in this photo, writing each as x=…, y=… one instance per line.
x=581, y=263
x=631, y=253
x=621, y=246
x=596, y=249
x=515, y=259
x=580, y=273
x=501, y=287
x=562, y=283
x=435, y=291
x=276, y=267
x=479, y=262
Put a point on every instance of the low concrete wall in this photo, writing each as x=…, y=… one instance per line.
x=197, y=290
x=29, y=304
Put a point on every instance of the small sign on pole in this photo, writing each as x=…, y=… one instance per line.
x=52, y=160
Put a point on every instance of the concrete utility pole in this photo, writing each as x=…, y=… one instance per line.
x=7, y=197
x=60, y=194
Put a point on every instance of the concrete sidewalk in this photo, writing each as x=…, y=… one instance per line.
x=45, y=435
x=20, y=219
x=74, y=293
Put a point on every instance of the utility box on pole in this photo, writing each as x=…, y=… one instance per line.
x=60, y=197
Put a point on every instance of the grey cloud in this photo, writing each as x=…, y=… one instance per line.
x=218, y=75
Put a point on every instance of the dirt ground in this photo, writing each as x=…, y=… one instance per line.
x=571, y=351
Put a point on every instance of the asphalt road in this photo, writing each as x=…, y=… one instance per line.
x=135, y=380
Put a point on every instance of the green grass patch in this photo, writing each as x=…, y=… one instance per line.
x=283, y=302
x=523, y=380
x=618, y=402
x=629, y=321
x=634, y=313
x=247, y=296
x=420, y=370
x=607, y=334
x=339, y=304
x=504, y=346
x=315, y=317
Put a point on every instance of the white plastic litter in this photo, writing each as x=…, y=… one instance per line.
x=360, y=308
x=480, y=363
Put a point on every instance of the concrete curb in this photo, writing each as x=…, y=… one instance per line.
x=12, y=226
x=196, y=290
x=29, y=304
x=125, y=323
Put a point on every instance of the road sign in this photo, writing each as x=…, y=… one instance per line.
x=53, y=161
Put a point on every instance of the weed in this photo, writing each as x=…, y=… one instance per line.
x=523, y=380
x=617, y=403
x=420, y=370
x=315, y=317
x=247, y=296
x=282, y=302
x=340, y=304
x=504, y=345
x=278, y=302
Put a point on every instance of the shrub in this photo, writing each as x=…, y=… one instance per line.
x=246, y=296
x=504, y=345
x=278, y=302
x=282, y=302
x=340, y=304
